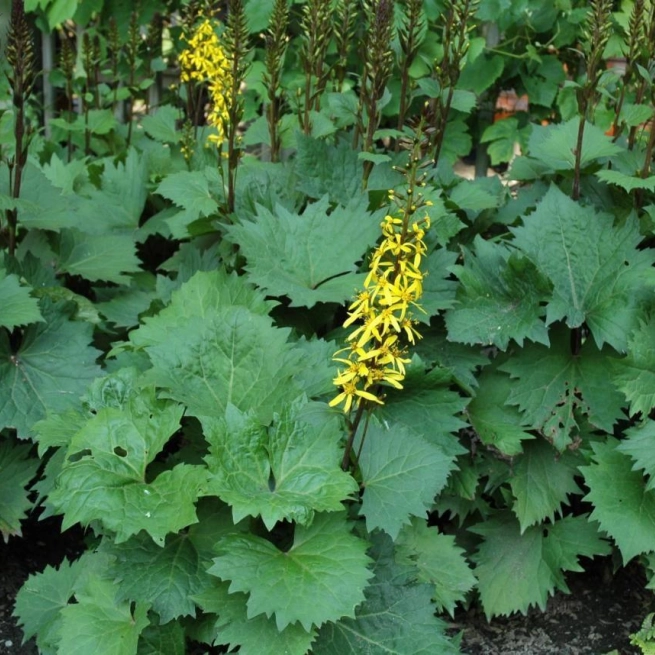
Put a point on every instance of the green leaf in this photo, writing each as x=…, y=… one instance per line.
x=541, y=482
x=118, y=205
x=554, y=145
x=162, y=125
x=95, y=257
x=158, y=639
x=502, y=137
x=98, y=623
x=44, y=206
x=232, y=356
x=552, y=385
x=499, y=298
x=639, y=445
x=104, y=477
x=124, y=307
x=287, y=471
x=17, y=468
x=401, y=474
x=287, y=254
x=623, y=505
x=426, y=407
x=18, y=307
x=634, y=375
x=495, y=422
x=165, y=578
x=60, y=11
x=596, y=270
x=516, y=571
x=476, y=195
x=439, y=562
x=325, y=169
x=258, y=635
x=50, y=370
x=41, y=599
x=194, y=192
x=627, y=182
x=196, y=299
x=376, y=158
x=396, y=618
x=438, y=290
x=320, y=578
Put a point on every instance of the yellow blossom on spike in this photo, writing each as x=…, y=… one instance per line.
x=204, y=61
x=382, y=311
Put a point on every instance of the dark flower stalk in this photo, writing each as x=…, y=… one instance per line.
x=316, y=26
x=378, y=64
x=113, y=41
x=67, y=66
x=87, y=55
x=410, y=36
x=455, y=46
x=20, y=57
x=276, y=46
x=636, y=38
x=133, y=41
x=596, y=34
x=344, y=32
x=236, y=51
x=646, y=59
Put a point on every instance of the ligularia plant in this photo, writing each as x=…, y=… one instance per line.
x=382, y=313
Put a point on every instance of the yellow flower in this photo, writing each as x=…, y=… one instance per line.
x=351, y=393
x=204, y=61
x=384, y=308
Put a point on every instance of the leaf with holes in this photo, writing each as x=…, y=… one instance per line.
x=104, y=476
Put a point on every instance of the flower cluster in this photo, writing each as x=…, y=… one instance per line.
x=204, y=61
x=377, y=351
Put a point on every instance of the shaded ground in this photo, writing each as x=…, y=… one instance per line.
x=596, y=618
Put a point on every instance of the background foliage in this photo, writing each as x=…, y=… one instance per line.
x=169, y=313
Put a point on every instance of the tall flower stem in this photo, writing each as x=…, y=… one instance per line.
x=20, y=57
x=378, y=62
x=455, y=45
x=316, y=25
x=382, y=313
x=597, y=33
x=410, y=40
x=276, y=45
x=236, y=51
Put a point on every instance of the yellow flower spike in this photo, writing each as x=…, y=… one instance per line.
x=382, y=313
x=204, y=61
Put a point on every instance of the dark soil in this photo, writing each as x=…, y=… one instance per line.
x=597, y=617
x=42, y=544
